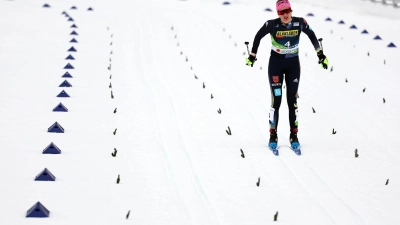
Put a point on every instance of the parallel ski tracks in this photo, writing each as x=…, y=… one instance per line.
x=186, y=184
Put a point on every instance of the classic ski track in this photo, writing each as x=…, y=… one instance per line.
x=181, y=203
x=197, y=184
x=266, y=144
x=359, y=218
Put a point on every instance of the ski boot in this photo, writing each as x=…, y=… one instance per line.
x=273, y=141
x=294, y=141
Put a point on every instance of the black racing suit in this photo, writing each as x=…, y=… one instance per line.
x=284, y=60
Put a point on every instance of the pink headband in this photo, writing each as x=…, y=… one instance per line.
x=282, y=4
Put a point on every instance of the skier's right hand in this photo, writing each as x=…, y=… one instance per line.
x=250, y=60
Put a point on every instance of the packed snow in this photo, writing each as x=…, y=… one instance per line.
x=161, y=81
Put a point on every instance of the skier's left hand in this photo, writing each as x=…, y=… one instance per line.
x=322, y=59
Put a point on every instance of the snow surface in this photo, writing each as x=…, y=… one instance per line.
x=176, y=162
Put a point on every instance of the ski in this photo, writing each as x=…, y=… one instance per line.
x=274, y=150
x=296, y=150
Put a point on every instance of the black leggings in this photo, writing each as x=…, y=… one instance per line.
x=290, y=67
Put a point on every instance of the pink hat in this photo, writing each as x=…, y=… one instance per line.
x=282, y=4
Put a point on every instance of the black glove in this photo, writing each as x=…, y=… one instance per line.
x=322, y=59
x=250, y=60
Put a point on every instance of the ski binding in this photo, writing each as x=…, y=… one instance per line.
x=296, y=148
x=274, y=148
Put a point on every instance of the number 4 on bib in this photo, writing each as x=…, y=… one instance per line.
x=287, y=44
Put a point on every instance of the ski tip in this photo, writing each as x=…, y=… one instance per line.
x=297, y=151
x=275, y=151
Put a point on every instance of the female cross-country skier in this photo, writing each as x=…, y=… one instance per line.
x=284, y=60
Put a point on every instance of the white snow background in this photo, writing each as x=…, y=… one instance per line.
x=176, y=162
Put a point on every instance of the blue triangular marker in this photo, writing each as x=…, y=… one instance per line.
x=38, y=210
x=56, y=128
x=73, y=40
x=74, y=26
x=45, y=175
x=70, y=19
x=226, y=3
x=365, y=32
x=377, y=38
x=63, y=13
x=46, y=6
x=69, y=66
x=70, y=57
x=341, y=22
x=51, y=149
x=90, y=9
x=328, y=19
x=310, y=14
x=268, y=10
x=60, y=108
x=73, y=7
x=65, y=83
x=391, y=45
x=353, y=27
x=67, y=75
x=74, y=33
x=72, y=49
x=63, y=94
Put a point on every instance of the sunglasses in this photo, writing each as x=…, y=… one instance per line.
x=283, y=12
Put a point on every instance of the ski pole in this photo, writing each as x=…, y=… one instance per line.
x=247, y=44
x=320, y=42
x=322, y=49
x=248, y=52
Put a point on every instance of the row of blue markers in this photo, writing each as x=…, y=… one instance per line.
x=354, y=27
x=328, y=19
x=38, y=210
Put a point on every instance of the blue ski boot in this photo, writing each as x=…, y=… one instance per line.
x=294, y=141
x=273, y=141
